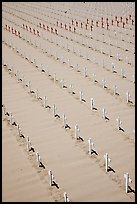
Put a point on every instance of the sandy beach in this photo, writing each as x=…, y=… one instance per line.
x=68, y=93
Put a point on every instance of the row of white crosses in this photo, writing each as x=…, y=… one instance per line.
x=51, y=182
x=107, y=161
x=38, y=158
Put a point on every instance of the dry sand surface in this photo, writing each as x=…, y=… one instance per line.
x=63, y=84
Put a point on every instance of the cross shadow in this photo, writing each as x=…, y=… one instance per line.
x=32, y=149
x=57, y=116
x=32, y=91
x=110, y=169
x=48, y=106
x=94, y=152
x=80, y=138
x=106, y=118
x=22, y=135
x=64, y=86
x=95, y=81
x=55, y=184
x=114, y=71
x=14, y=123
x=67, y=126
x=121, y=129
x=130, y=190
x=39, y=98
x=7, y=113
x=73, y=92
x=129, y=101
x=41, y=165
x=83, y=100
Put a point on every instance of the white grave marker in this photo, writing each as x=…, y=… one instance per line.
x=103, y=83
x=91, y=103
x=54, y=77
x=81, y=96
x=115, y=89
x=54, y=110
x=90, y=145
x=11, y=118
x=66, y=199
x=104, y=113
x=113, y=67
x=133, y=78
x=71, y=88
x=45, y=101
x=37, y=96
x=38, y=158
x=128, y=96
x=85, y=71
x=77, y=68
x=64, y=120
x=62, y=83
x=29, y=86
x=119, y=122
x=19, y=130
x=107, y=160
x=122, y=72
x=51, y=177
x=128, y=179
x=94, y=77
x=77, y=131
x=28, y=143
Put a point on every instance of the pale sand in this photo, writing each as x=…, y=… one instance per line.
x=81, y=175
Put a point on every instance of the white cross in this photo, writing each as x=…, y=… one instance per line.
x=119, y=122
x=91, y=103
x=128, y=179
x=81, y=96
x=38, y=158
x=122, y=72
x=66, y=199
x=71, y=88
x=127, y=96
x=115, y=89
x=29, y=86
x=91, y=145
x=36, y=93
x=104, y=83
x=133, y=78
x=107, y=159
x=54, y=77
x=77, y=131
x=28, y=143
x=11, y=117
x=104, y=113
x=85, y=71
x=64, y=120
x=54, y=110
x=44, y=101
x=94, y=77
x=51, y=177
x=113, y=67
x=19, y=130
x=77, y=68
x=62, y=83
